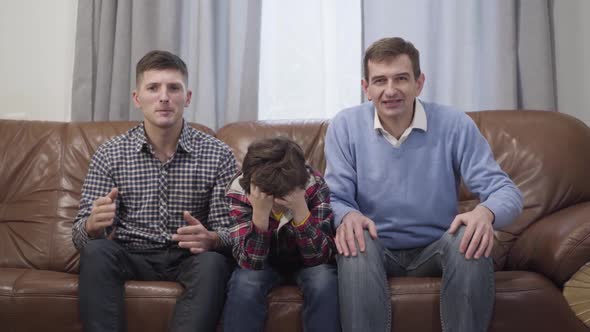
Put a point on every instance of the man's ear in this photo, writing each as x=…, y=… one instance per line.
x=365, y=86
x=135, y=97
x=189, y=95
x=420, y=82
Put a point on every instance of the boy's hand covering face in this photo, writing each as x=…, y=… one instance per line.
x=261, y=207
x=260, y=200
x=293, y=200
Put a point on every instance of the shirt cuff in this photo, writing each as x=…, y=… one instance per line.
x=266, y=233
x=301, y=223
x=224, y=240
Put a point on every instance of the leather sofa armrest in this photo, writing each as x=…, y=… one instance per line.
x=556, y=245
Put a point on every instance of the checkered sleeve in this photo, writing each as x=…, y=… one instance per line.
x=315, y=238
x=98, y=183
x=250, y=245
x=218, y=218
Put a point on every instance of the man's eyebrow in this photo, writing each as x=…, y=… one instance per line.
x=376, y=77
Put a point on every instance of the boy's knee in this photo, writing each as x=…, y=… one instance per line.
x=320, y=278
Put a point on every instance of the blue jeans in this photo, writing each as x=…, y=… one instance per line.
x=467, y=289
x=246, y=305
x=105, y=266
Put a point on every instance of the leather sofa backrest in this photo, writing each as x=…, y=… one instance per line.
x=309, y=134
x=43, y=165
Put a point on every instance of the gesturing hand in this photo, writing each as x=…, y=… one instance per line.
x=352, y=227
x=195, y=236
x=478, y=238
x=102, y=214
x=261, y=207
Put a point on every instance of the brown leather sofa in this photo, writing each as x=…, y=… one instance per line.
x=547, y=154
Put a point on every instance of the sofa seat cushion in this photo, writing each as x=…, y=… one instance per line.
x=52, y=298
x=525, y=301
x=8, y=277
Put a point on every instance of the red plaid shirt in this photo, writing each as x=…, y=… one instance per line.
x=283, y=244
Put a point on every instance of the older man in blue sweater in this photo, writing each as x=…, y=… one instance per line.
x=394, y=166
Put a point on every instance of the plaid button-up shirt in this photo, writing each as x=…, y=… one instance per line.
x=153, y=195
x=283, y=244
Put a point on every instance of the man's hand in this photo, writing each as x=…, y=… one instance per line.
x=295, y=201
x=195, y=236
x=352, y=227
x=478, y=238
x=102, y=214
x=261, y=207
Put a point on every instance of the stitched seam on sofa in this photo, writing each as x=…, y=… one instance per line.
x=63, y=137
x=46, y=295
x=521, y=290
x=498, y=290
x=41, y=295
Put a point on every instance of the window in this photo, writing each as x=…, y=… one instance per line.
x=310, y=58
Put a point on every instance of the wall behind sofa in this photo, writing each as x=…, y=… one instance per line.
x=572, y=51
x=36, y=59
x=37, y=52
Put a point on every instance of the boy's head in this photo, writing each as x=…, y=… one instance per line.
x=275, y=165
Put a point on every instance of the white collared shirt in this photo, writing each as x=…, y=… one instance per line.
x=418, y=122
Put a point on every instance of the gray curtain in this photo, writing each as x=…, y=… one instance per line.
x=218, y=39
x=476, y=54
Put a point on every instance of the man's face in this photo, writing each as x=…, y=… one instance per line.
x=393, y=88
x=162, y=96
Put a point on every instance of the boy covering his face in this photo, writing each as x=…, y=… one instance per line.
x=283, y=223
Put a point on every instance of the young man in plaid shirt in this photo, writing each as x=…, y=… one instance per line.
x=153, y=207
x=283, y=227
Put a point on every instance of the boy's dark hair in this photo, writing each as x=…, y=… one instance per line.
x=275, y=165
x=158, y=59
x=390, y=48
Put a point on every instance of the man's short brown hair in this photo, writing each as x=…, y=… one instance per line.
x=275, y=165
x=390, y=48
x=160, y=60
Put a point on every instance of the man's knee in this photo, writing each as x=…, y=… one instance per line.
x=452, y=243
x=453, y=240
x=99, y=250
x=364, y=261
x=209, y=263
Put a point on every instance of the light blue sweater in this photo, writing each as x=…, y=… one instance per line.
x=411, y=192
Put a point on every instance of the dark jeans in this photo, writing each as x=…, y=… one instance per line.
x=105, y=266
x=467, y=287
x=246, y=307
